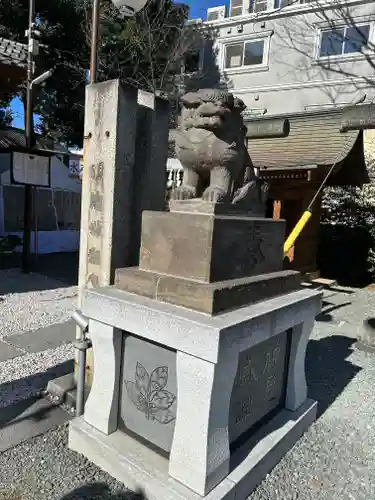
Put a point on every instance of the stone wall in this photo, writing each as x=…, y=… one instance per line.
x=55, y=208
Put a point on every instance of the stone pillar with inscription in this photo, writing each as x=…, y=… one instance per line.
x=203, y=345
x=126, y=145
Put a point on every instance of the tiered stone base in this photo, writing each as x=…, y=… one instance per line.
x=207, y=260
x=137, y=466
x=218, y=386
x=210, y=298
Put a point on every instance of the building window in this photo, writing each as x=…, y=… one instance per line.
x=191, y=61
x=259, y=5
x=242, y=54
x=280, y=4
x=347, y=40
x=236, y=7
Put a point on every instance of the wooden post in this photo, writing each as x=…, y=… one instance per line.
x=277, y=209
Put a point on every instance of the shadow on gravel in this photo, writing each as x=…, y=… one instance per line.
x=21, y=389
x=96, y=491
x=326, y=316
x=59, y=266
x=327, y=369
x=59, y=270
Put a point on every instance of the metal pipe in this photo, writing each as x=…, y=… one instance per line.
x=94, y=41
x=35, y=225
x=41, y=78
x=81, y=320
x=27, y=217
x=30, y=73
x=81, y=344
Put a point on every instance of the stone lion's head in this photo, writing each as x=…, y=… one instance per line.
x=211, y=131
x=210, y=109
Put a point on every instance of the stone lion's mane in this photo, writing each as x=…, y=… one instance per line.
x=192, y=99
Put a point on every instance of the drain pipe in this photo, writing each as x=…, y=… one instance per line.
x=81, y=344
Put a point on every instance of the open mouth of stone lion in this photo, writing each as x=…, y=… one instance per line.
x=196, y=135
x=212, y=122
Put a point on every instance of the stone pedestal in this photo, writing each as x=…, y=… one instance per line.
x=210, y=260
x=201, y=397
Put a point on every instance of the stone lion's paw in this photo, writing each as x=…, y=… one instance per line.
x=214, y=195
x=183, y=193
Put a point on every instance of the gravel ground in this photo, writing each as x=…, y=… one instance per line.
x=44, y=468
x=335, y=459
x=25, y=376
x=27, y=303
x=33, y=301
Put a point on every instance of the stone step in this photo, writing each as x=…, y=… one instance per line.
x=320, y=283
x=324, y=282
x=64, y=388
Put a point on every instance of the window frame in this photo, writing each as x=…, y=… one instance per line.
x=242, y=7
x=253, y=3
x=349, y=55
x=264, y=37
x=201, y=50
x=197, y=52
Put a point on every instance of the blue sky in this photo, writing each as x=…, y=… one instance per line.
x=198, y=8
x=18, y=114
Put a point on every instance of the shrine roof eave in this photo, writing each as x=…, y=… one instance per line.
x=13, y=140
x=318, y=139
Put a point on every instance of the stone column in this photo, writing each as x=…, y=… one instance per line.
x=110, y=114
x=296, y=391
x=124, y=174
x=151, y=152
x=126, y=145
x=111, y=111
x=107, y=343
x=201, y=459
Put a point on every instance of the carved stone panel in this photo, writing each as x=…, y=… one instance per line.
x=149, y=391
x=259, y=385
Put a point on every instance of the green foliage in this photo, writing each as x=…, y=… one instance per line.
x=140, y=50
x=5, y=115
x=355, y=207
x=371, y=262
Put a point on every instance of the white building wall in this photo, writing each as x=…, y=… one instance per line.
x=61, y=179
x=292, y=77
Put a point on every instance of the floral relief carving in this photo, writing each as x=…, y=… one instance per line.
x=149, y=395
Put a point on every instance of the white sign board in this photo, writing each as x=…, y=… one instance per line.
x=146, y=99
x=31, y=169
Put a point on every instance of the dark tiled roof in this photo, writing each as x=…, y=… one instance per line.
x=12, y=53
x=314, y=139
x=14, y=139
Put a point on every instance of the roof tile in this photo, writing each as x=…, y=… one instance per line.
x=12, y=52
x=314, y=139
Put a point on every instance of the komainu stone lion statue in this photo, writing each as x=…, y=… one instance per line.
x=210, y=145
